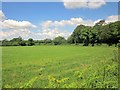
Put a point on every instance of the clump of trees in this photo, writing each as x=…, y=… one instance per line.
x=87, y=35
x=18, y=42
x=30, y=42
x=98, y=34
x=59, y=40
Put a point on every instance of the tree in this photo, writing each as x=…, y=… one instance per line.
x=22, y=43
x=110, y=33
x=5, y=42
x=59, y=40
x=86, y=35
x=97, y=30
x=99, y=33
x=0, y=43
x=100, y=23
x=31, y=42
x=16, y=41
x=70, y=40
x=76, y=35
x=93, y=39
x=47, y=41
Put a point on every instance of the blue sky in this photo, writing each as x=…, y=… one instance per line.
x=53, y=17
x=40, y=11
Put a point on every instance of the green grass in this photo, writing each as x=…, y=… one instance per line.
x=40, y=66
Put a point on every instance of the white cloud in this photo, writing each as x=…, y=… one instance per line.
x=12, y=28
x=52, y=33
x=112, y=18
x=93, y=4
x=13, y=24
x=2, y=16
x=70, y=22
x=14, y=33
x=43, y=34
x=15, y=28
x=52, y=29
x=47, y=29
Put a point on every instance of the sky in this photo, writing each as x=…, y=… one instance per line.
x=41, y=20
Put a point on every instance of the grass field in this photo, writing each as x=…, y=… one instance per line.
x=59, y=67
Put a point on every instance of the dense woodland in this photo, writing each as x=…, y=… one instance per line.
x=86, y=35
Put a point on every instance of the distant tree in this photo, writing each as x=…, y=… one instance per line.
x=93, y=39
x=99, y=33
x=86, y=36
x=70, y=39
x=59, y=40
x=22, y=43
x=5, y=42
x=41, y=42
x=47, y=41
x=96, y=32
x=16, y=41
x=31, y=42
x=110, y=33
x=0, y=43
x=78, y=34
x=101, y=22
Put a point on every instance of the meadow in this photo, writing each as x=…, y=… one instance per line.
x=67, y=66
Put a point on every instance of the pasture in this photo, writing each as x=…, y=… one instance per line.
x=59, y=67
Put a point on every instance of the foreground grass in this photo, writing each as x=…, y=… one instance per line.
x=60, y=67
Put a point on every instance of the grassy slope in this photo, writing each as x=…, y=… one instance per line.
x=20, y=64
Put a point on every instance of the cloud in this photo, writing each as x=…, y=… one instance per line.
x=12, y=28
x=52, y=29
x=43, y=34
x=13, y=24
x=52, y=33
x=70, y=22
x=25, y=29
x=112, y=18
x=92, y=4
x=47, y=29
x=2, y=16
x=14, y=33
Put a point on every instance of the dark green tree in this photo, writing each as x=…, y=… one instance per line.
x=31, y=42
x=22, y=43
x=5, y=42
x=70, y=39
x=47, y=41
x=16, y=41
x=59, y=40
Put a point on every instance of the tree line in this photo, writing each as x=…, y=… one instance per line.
x=98, y=34
x=87, y=35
